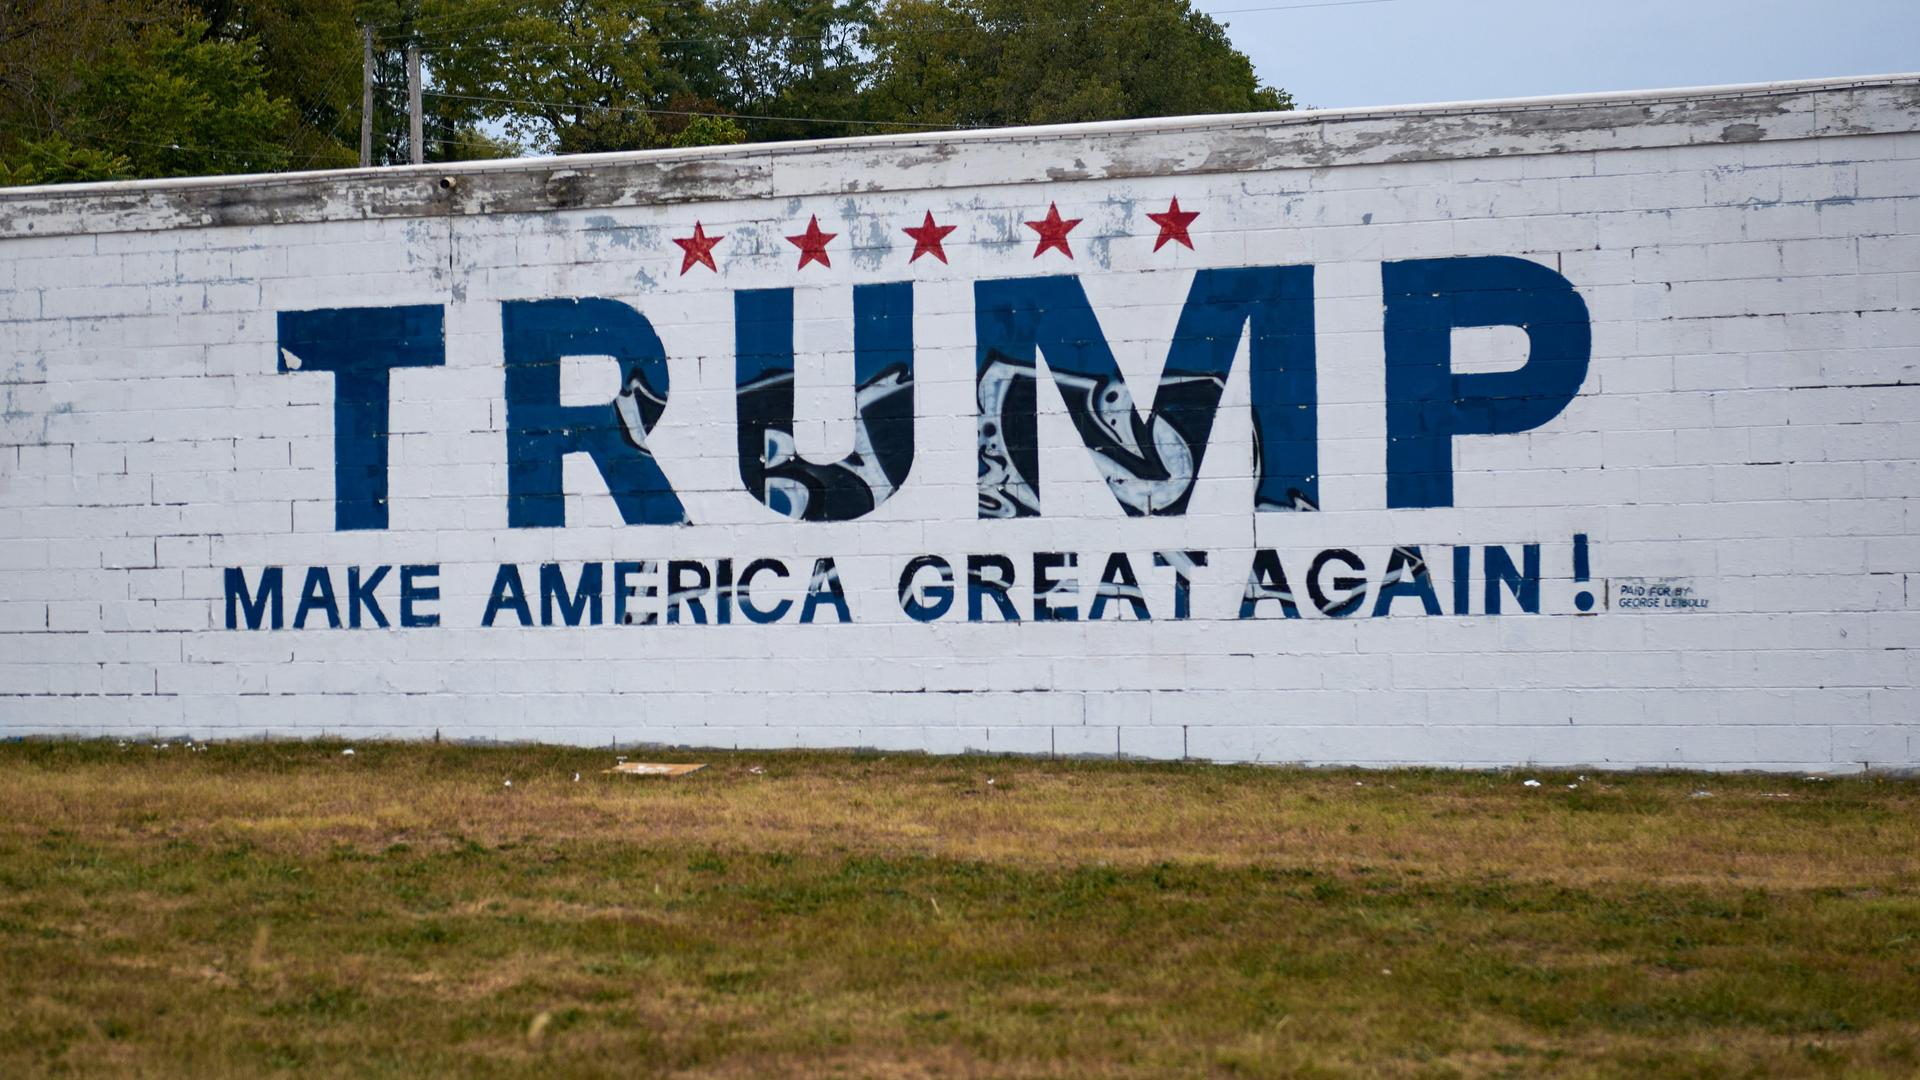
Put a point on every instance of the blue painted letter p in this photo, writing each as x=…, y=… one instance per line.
x=1427, y=404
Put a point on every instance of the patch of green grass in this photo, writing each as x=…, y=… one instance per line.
x=260, y=908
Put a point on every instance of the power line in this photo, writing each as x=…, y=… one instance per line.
x=451, y=35
x=443, y=48
x=638, y=39
x=443, y=34
x=692, y=112
x=325, y=96
x=451, y=40
x=1297, y=7
x=450, y=18
x=251, y=151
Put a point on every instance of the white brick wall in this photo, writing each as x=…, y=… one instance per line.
x=1748, y=431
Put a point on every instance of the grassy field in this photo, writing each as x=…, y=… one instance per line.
x=252, y=908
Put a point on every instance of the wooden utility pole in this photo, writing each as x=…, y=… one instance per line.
x=366, y=96
x=415, y=142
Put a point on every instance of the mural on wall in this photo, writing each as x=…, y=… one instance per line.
x=1428, y=403
x=539, y=335
x=1150, y=463
x=1559, y=431
x=360, y=348
x=771, y=465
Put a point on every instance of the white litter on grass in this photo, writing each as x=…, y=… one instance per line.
x=509, y=783
x=1530, y=783
x=1701, y=794
x=757, y=771
x=576, y=778
x=652, y=768
x=348, y=752
x=1573, y=787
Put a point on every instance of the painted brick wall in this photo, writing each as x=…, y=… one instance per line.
x=1741, y=461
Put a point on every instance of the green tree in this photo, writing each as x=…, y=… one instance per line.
x=503, y=76
x=804, y=59
x=710, y=131
x=54, y=160
x=565, y=76
x=310, y=52
x=100, y=89
x=48, y=48
x=143, y=86
x=994, y=63
x=177, y=103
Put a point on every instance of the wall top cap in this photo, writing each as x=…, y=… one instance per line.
x=1117, y=150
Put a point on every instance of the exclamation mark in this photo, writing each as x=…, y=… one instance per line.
x=1582, y=573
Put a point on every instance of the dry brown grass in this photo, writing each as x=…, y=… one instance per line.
x=259, y=908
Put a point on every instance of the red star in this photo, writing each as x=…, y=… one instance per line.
x=1173, y=225
x=699, y=249
x=1053, y=232
x=927, y=237
x=812, y=244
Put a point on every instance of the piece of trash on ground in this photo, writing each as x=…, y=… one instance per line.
x=348, y=752
x=650, y=768
x=1530, y=783
x=1701, y=794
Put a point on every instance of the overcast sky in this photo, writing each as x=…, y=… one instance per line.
x=1399, y=52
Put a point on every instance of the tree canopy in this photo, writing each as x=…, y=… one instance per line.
x=116, y=89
